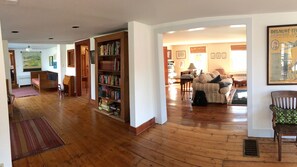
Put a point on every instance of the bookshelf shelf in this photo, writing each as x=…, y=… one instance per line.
x=112, y=75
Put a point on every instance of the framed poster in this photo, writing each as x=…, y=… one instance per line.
x=181, y=54
x=282, y=55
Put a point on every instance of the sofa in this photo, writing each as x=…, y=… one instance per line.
x=216, y=87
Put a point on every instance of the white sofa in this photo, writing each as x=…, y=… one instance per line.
x=213, y=91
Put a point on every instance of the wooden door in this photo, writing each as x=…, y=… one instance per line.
x=165, y=64
x=13, y=69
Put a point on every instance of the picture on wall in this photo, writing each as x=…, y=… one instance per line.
x=181, y=54
x=169, y=56
x=31, y=61
x=51, y=59
x=282, y=55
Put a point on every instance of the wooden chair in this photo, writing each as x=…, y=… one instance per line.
x=284, y=121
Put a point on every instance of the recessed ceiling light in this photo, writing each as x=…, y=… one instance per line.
x=171, y=32
x=75, y=26
x=238, y=26
x=14, y=32
x=11, y=2
x=50, y=38
x=196, y=29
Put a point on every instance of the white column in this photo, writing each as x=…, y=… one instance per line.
x=5, y=151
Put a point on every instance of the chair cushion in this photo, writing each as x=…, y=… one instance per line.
x=285, y=116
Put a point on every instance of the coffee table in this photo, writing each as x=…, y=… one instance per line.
x=239, y=82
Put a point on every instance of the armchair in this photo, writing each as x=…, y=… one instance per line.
x=284, y=121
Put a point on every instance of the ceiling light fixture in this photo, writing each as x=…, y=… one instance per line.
x=196, y=29
x=238, y=26
x=28, y=49
x=14, y=32
x=171, y=32
x=75, y=26
x=50, y=38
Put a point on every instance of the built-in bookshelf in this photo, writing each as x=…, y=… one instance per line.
x=112, y=75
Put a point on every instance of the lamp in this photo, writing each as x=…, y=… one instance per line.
x=28, y=49
x=192, y=67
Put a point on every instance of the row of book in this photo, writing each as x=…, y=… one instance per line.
x=110, y=79
x=107, y=92
x=110, y=65
x=112, y=48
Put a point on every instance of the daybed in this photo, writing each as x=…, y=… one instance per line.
x=44, y=79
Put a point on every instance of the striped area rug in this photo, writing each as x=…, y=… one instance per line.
x=32, y=136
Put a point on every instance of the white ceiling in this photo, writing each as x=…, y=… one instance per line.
x=222, y=34
x=38, y=20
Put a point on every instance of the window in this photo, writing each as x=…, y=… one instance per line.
x=238, y=61
x=200, y=61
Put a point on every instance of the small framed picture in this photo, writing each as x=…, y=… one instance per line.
x=51, y=59
x=169, y=56
x=181, y=54
x=224, y=55
x=212, y=55
x=218, y=55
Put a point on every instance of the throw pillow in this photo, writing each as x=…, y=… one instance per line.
x=208, y=77
x=216, y=79
x=224, y=84
x=215, y=73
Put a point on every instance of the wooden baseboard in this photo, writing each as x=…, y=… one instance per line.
x=143, y=127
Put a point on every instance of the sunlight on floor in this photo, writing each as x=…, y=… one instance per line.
x=172, y=92
x=239, y=120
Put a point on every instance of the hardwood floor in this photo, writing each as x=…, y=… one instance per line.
x=193, y=136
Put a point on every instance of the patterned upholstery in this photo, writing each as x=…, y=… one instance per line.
x=284, y=116
x=212, y=91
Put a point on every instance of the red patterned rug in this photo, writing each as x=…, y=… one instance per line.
x=32, y=136
x=24, y=92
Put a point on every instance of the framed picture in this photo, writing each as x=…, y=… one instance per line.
x=212, y=55
x=31, y=61
x=218, y=55
x=282, y=55
x=181, y=54
x=224, y=55
x=51, y=59
x=169, y=56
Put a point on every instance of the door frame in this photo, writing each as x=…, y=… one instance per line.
x=78, y=67
x=14, y=67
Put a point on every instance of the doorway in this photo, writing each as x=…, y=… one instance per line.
x=83, y=76
x=13, y=74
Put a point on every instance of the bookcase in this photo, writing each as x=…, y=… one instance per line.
x=112, y=75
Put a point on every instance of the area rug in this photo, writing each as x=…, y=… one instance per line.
x=239, y=97
x=24, y=92
x=32, y=136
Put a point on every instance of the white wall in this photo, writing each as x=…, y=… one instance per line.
x=260, y=115
x=7, y=62
x=5, y=152
x=142, y=105
x=45, y=54
x=70, y=70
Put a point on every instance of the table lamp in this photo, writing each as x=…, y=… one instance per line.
x=192, y=68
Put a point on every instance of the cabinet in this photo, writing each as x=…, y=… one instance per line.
x=112, y=75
